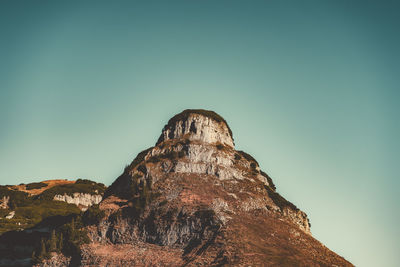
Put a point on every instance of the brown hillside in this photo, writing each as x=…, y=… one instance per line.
x=49, y=184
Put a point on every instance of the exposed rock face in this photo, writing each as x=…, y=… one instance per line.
x=194, y=200
x=198, y=125
x=82, y=200
x=56, y=260
x=4, y=202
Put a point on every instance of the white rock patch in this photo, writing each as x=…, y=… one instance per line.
x=10, y=215
x=80, y=199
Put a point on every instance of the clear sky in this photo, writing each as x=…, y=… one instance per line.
x=309, y=88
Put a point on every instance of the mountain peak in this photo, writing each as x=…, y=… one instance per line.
x=194, y=200
x=198, y=125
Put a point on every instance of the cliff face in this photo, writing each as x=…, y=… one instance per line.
x=198, y=125
x=81, y=200
x=195, y=200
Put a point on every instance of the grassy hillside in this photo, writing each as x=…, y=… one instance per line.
x=31, y=209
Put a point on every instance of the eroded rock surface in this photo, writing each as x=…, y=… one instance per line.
x=201, y=202
x=198, y=125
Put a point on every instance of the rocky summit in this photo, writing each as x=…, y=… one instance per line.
x=191, y=200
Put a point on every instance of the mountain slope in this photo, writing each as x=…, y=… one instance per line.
x=194, y=200
x=29, y=213
x=191, y=200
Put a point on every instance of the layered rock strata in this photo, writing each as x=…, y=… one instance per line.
x=196, y=200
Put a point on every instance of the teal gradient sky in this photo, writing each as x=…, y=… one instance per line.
x=309, y=88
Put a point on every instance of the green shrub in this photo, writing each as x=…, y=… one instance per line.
x=17, y=198
x=32, y=186
x=41, y=209
x=93, y=215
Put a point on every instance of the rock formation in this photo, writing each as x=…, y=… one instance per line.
x=191, y=200
x=82, y=200
x=4, y=202
x=195, y=200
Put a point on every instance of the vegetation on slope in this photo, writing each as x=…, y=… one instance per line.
x=17, y=198
x=281, y=202
x=81, y=186
x=65, y=239
x=246, y=156
x=30, y=210
x=270, y=182
x=32, y=186
x=125, y=177
x=93, y=215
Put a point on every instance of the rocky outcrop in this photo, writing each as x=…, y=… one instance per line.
x=10, y=215
x=56, y=260
x=198, y=125
x=184, y=157
x=4, y=202
x=82, y=200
